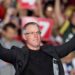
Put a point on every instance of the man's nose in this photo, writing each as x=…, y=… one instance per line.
x=35, y=35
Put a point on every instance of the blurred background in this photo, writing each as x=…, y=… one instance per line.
x=59, y=13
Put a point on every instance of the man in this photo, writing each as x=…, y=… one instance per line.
x=9, y=33
x=34, y=59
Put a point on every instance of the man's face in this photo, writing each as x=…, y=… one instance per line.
x=49, y=11
x=10, y=33
x=32, y=35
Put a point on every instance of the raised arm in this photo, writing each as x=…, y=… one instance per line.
x=66, y=48
x=8, y=55
x=39, y=2
x=15, y=56
x=62, y=50
x=58, y=12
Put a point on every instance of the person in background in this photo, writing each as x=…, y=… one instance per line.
x=9, y=34
x=69, y=64
x=70, y=31
x=48, y=10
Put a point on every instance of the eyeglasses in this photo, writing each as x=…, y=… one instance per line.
x=38, y=32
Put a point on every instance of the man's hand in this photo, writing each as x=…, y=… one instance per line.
x=10, y=11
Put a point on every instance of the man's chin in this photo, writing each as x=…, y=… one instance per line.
x=36, y=45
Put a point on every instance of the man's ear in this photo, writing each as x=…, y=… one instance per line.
x=24, y=36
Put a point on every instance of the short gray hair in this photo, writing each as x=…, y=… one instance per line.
x=26, y=25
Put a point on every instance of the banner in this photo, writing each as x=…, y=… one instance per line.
x=46, y=25
x=27, y=4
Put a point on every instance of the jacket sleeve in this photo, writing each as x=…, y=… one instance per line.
x=66, y=48
x=8, y=55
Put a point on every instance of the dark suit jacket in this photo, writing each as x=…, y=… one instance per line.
x=19, y=56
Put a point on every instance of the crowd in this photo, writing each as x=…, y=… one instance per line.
x=59, y=11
